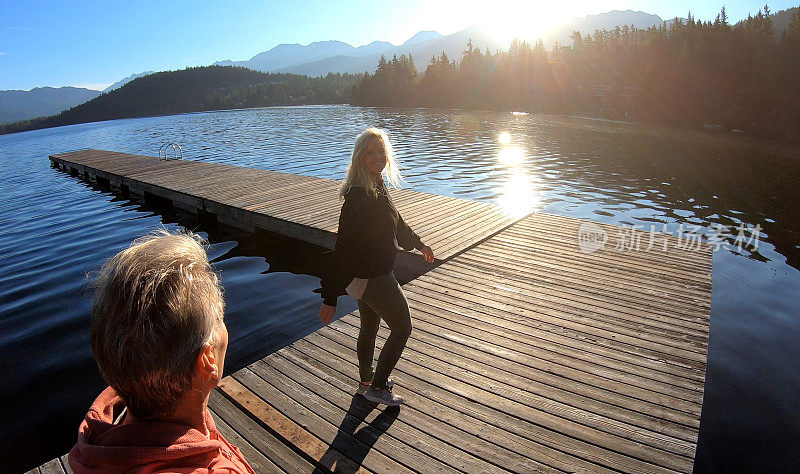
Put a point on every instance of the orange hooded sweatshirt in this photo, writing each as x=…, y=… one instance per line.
x=149, y=446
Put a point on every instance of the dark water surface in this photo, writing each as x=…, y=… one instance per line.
x=55, y=229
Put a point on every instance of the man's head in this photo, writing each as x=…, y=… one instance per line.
x=157, y=319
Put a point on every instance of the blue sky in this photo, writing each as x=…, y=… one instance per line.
x=95, y=43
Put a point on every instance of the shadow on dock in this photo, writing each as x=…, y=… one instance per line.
x=354, y=439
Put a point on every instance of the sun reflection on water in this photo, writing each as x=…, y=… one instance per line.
x=511, y=156
x=520, y=193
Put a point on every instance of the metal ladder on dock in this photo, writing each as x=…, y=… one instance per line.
x=177, y=151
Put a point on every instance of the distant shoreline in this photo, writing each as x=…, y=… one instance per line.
x=642, y=127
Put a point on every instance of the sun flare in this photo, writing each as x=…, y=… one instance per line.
x=525, y=20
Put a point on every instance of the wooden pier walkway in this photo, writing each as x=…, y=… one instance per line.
x=302, y=207
x=527, y=355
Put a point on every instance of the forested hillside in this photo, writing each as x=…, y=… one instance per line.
x=689, y=73
x=196, y=89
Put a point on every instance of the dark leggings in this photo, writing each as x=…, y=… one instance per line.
x=382, y=299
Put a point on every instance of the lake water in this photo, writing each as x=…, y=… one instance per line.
x=56, y=229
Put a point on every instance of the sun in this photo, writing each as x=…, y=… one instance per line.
x=524, y=20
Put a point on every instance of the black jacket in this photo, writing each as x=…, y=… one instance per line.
x=371, y=233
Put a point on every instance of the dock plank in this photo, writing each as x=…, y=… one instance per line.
x=291, y=433
x=263, y=447
x=51, y=467
x=257, y=460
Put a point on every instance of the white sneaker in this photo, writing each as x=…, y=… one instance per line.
x=363, y=388
x=384, y=396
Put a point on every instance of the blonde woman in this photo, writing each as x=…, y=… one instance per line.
x=371, y=232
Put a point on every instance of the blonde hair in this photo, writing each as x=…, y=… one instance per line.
x=357, y=173
x=157, y=304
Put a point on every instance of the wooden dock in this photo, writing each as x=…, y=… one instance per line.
x=528, y=354
x=302, y=207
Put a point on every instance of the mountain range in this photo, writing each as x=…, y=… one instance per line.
x=128, y=79
x=21, y=105
x=284, y=56
x=322, y=57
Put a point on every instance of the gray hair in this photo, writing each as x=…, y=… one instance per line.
x=157, y=304
x=357, y=174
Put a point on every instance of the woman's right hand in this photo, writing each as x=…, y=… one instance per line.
x=427, y=253
x=326, y=313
